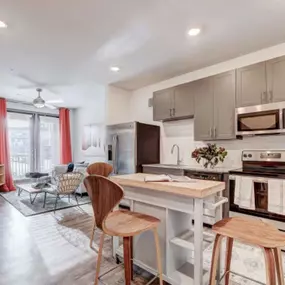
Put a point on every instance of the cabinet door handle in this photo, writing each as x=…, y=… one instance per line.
x=173, y=112
x=215, y=132
x=170, y=112
x=211, y=132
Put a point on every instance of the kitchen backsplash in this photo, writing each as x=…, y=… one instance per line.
x=182, y=133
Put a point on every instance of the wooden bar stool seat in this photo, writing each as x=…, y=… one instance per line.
x=128, y=224
x=105, y=195
x=254, y=232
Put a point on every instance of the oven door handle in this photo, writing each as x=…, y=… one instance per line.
x=260, y=180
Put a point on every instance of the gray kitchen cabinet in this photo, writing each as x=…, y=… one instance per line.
x=174, y=103
x=275, y=70
x=204, y=111
x=163, y=170
x=184, y=100
x=224, y=105
x=163, y=104
x=214, y=117
x=251, y=85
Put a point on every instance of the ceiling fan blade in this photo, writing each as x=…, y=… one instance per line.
x=56, y=101
x=28, y=79
x=50, y=106
x=23, y=97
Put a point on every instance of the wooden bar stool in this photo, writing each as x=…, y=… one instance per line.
x=103, y=169
x=105, y=195
x=253, y=232
x=99, y=168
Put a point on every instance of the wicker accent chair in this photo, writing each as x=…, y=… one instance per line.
x=66, y=185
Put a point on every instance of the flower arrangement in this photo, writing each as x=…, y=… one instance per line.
x=211, y=155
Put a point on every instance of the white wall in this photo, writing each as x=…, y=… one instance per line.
x=181, y=132
x=92, y=112
x=105, y=105
x=117, y=105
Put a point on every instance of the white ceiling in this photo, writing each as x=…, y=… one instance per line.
x=66, y=46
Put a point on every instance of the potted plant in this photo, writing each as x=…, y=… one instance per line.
x=211, y=155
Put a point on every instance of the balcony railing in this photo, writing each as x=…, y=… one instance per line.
x=21, y=164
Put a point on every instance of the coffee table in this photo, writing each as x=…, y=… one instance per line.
x=29, y=189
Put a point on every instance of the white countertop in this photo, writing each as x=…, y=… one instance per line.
x=218, y=169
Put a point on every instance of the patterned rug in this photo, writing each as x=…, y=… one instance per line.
x=23, y=204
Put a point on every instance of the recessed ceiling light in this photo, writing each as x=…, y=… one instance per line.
x=194, y=32
x=3, y=25
x=114, y=68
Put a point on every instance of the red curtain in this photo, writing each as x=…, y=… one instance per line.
x=4, y=148
x=65, y=141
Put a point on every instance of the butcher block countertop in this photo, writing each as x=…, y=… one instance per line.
x=195, y=189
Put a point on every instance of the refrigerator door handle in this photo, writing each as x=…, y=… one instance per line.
x=115, y=156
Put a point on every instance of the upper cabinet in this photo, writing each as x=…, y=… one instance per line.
x=214, y=117
x=224, y=94
x=275, y=70
x=204, y=111
x=251, y=85
x=163, y=104
x=261, y=83
x=184, y=100
x=174, y=103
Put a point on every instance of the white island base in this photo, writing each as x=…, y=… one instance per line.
x=181, y=241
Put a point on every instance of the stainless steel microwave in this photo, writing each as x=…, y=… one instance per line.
x=260, y=119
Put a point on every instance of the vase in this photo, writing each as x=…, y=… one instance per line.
x=209, y=163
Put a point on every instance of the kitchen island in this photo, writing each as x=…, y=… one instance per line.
x=177, y=205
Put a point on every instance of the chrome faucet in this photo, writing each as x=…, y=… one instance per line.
x=178, y=153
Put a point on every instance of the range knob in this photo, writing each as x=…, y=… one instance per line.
x=245, y=155
x=250, y=155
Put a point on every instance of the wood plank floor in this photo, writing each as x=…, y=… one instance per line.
x=51, y=249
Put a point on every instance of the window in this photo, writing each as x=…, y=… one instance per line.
x=49, y=142
x=19, y=127
x=34, y=142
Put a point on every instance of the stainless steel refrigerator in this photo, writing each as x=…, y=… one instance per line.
x=130, y=145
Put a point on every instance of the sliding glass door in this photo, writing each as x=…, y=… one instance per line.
x=48, y=143
x=20, y=139
x=34, y=142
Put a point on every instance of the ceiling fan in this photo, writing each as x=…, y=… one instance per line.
x=39, y=102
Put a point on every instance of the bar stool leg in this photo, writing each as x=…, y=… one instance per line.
x=127, y=260
x=270, y=267
x=99, y=258
x=132, y=256
x=229, y=250
x=158, y=255
x=279, y=266
x=215, y=258
x=92, y=233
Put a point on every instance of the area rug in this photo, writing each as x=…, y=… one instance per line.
x=23, y=204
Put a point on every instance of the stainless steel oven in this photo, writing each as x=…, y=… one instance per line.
x=261, y=119
x=258, y=188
